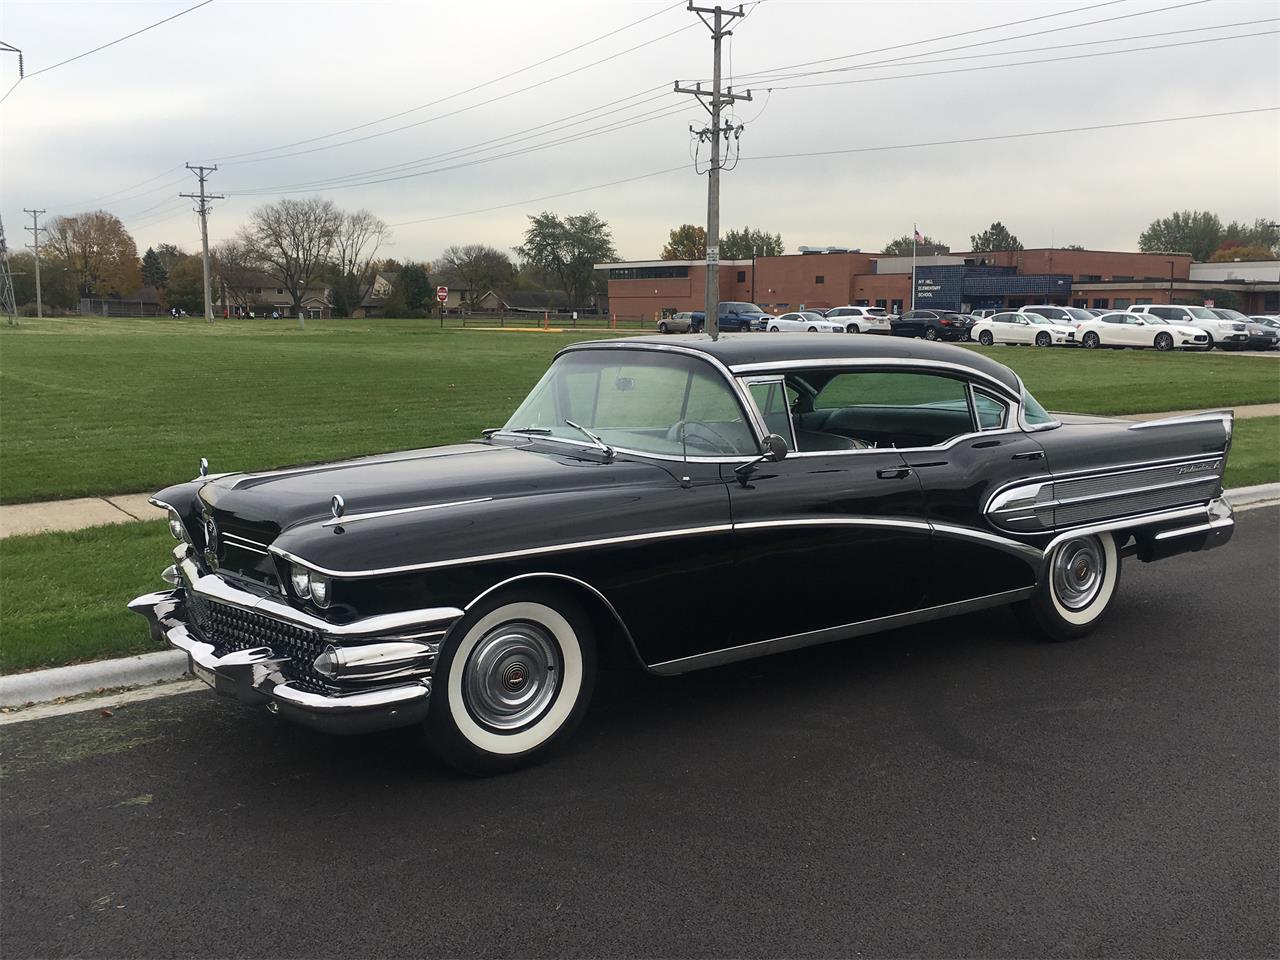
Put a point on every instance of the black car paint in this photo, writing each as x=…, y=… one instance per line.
x=691, y=556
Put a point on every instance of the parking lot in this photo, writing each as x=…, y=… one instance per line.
x=943, y=791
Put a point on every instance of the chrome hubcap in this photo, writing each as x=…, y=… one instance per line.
x=1078, y=570
x=512, y=675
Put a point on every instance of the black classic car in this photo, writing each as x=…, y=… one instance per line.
x=624, y=510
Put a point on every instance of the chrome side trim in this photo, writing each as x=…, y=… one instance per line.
x=506, y=555
x=1004, y=543
x=244, y=543
x=357, y=517
x=1128, y=523
x=1131, y=491
x=834, y=522
x=859, y=628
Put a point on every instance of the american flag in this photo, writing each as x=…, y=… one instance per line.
x=919, y=236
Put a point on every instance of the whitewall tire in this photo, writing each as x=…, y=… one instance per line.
x=512, y=680
x=1080, y=580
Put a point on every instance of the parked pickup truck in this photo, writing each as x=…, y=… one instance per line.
x=735, y=317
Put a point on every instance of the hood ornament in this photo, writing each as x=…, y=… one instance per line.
x=204, y=467
x=338, y=506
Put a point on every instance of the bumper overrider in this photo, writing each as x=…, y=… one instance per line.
x=369, y=674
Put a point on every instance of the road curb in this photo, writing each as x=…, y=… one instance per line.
x=43, y=685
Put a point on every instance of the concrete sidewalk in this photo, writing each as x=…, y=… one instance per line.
x=55, y=515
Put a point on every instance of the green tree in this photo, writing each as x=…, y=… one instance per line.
x=901, y=247
x=396, y=304
x=186, y=285
x=415, y=281
x=995, y=237
x=1224, y=255
x=1197, y=232
x=169, y=254
x=686, y=242
x=153, y=272
x=740, y=244
x=569, y=249
x=1262, y=233
x=1072, y=246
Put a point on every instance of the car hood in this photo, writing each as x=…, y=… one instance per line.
x=278, y=500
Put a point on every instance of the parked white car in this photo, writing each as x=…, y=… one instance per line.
x=1226, y=334
x=1122, y=329
x=861, y=319
x=803, y=321
x=1020, y=326
x=1067, y=316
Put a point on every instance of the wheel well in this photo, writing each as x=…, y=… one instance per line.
x=615, y=645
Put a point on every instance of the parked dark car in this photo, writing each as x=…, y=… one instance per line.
x=625, y=511
x=932, y=325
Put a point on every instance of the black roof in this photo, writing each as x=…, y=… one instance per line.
x=740, y=349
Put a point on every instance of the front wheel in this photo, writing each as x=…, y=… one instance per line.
x=813, y=329
x=1078, y=585
x=1164, y=342
x=1092, y=341
x=662, y=328
x=852, y=328
x=1043, y=339
x=985, y=338
x=930, y=333
x=512, y=681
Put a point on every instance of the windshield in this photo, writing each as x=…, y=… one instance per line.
x=1202, y=313
x=1229, y=314
x=1079, y=314
x=645, y=401
x=734, y=307
x=1038, y=318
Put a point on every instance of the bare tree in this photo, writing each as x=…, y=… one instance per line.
x=476, y=267
x=234, y=271
x=355, y=244
x=293, y=240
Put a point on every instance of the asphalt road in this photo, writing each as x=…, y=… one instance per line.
x=955, y=790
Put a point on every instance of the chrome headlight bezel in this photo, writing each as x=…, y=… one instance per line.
x=321, y=589
x=300, y=582
x=177, y=529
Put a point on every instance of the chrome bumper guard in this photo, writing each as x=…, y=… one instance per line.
x=254, y=676
x=1212, y=528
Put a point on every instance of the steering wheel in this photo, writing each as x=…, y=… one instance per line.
x=697, y=433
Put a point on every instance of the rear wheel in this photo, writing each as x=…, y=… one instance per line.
x=512, y=681
x=985, y=338
x=1164, y=342
x=1043, y=339
x=1092, y=341
x=1079, y=583
x=774, y=330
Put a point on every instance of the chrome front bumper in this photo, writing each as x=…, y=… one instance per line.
x=380, y=700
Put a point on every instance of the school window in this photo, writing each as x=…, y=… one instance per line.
x=1100, y=303
x=819, y=279
x=1121, y=303
x=1082, y=303
x=1090, y=277
x=1118, y=277
x=742, y=276
x=882, y=303
x=1140, y=300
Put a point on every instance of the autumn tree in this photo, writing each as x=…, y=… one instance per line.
x=355, y=246
x=293, y=240
x=901, y=247
x=186, y=285
x=98, y=251
x=995, y=237
x=475, y=268
x=742, y=244
x=568, y=249
x=686, y=242
x=1224, y=255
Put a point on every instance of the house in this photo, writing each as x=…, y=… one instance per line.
x=262, y=293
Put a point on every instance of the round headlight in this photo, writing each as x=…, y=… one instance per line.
x=176, y=528
x=300, y=580
x=320, y=590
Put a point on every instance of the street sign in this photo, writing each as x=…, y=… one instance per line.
x=713, y=254
x=442, y=294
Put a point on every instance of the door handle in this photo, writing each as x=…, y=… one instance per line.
x=893, y=473
x=1033, y=455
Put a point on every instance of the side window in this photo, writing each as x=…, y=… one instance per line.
x=1113, y=318
x=771, y=400
x=1164, y=313
x=992, y=414
x=888, y=409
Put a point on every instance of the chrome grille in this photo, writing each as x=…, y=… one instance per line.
x=230, y=628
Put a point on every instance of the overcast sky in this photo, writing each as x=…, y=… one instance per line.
x=241, y=77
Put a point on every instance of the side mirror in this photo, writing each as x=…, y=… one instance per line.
x=772, y=449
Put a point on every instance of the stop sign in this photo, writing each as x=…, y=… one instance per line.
x=442, y=294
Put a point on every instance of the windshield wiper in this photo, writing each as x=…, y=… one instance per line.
x=540, y=431
x=600, y=444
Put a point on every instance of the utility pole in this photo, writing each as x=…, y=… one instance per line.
x=202, y=207
x=712, y=100
x=34, y=246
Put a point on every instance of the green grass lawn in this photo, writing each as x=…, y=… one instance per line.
x=65, y=593
x=98, y=406
x=1255, y=453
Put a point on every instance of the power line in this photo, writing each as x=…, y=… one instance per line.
x=140, y=183
x=112, y=43
x=1030, y=63
x=237, y=157
x=851, y=150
